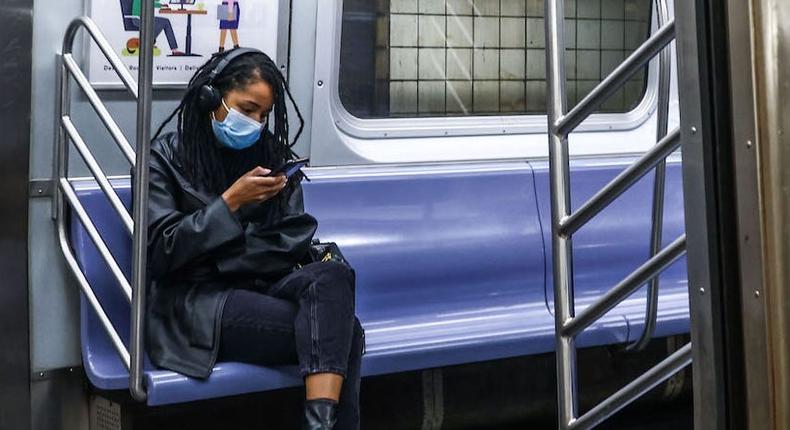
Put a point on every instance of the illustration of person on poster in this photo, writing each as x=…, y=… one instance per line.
x=131, y=22
x=185, y=33
x=228, y=14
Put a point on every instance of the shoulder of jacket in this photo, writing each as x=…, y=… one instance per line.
x=166, y=144
x=165, y=147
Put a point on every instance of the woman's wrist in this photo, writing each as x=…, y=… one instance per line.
x=233, y=205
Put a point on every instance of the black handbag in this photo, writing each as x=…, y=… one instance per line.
x=325, y=251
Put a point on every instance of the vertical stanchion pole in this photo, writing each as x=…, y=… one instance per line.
x=60, y=157
x=562, y=252
x=662, y=125
x=140, y=199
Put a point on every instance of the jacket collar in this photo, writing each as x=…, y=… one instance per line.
x=165, y=147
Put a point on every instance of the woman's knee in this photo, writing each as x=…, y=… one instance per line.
x=336, y=277
x=336, y=271
x=328, y=282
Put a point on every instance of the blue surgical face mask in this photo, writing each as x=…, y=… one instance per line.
x=237, y=131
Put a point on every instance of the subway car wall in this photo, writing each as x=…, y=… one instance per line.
x=404, y=106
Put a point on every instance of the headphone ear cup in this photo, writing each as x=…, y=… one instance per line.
x=209, y=98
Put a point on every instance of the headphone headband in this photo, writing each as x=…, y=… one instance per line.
x=209, y=97
x=229, y=57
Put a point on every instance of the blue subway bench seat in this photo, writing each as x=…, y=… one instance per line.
x=451, y=268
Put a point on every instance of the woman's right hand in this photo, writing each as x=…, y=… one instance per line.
x=253, y=187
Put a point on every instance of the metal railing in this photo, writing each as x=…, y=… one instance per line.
x=566, y=222
x=656, y=232
x=135, y=224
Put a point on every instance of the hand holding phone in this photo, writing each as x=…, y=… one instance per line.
x=255, y=186
x=290, y=167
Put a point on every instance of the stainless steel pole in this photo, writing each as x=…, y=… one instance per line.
x=615, y=80
x=140, y=199
x=60, y=158
x=656, y=233
x=560, y=208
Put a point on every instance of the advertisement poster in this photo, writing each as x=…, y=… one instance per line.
x=187, y=33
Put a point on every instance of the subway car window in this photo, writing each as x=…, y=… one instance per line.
x=409, y=58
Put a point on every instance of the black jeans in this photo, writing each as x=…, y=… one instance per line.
x=306, y=318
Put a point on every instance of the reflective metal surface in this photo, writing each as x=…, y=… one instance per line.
x=562, y=247
x=136, y=224
x=97, y=240
x=564, y=224
x=662, y=124
x=101, y=110
x=68, y=193
x=771, y=22
x=704, y=140
x=571, y=223
x=661, y=38
x=756, y=372
x=656, y=375
x=97, y=172
x=648, y=271
x=140, y=199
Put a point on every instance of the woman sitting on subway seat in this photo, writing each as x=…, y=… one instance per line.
x=229, y=245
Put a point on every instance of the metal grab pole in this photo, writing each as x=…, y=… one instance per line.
x=562, y=250
x=140, y=200
x=86, y=289
x=626, y=395
x=650, y=269
x=100, y=108
x=615, y=80
x=106, y=48
x=656, y=233
x=620, y=184
x=565, y=223
x=98, y=174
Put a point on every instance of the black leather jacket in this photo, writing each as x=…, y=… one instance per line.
x=198, y=250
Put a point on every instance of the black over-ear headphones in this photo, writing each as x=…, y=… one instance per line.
x=209, y=98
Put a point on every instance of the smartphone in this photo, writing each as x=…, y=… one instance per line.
x=290, y=167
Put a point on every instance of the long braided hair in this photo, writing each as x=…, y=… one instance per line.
x=213, y=167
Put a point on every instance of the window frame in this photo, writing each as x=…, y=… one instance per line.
x=336, y=138
x=471, y=125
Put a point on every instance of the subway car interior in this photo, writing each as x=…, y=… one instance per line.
x=560, y=214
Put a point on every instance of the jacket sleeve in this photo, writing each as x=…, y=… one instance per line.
x=295, y=204
x=176, y=238
x=272, y=249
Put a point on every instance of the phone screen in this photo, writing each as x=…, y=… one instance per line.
x=290, y=168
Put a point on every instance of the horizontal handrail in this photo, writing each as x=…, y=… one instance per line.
x=93, y=30
x=616, y=79
x=100, y=108
x=619, y=184
x=635, y=389
x=97, y=172
x=647, y=271
x=85, y=219
x=86, y=289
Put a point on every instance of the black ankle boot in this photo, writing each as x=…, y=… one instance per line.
x=319, y=414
